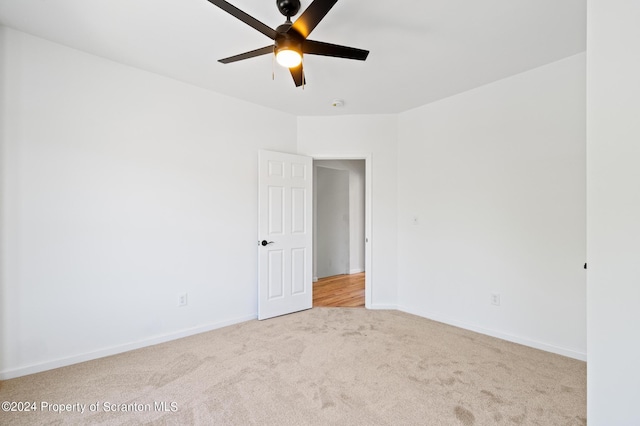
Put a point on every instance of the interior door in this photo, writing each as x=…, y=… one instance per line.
x=285, y=191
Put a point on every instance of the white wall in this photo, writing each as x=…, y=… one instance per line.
x=121, y=189
x=3, y=203
x=359, y=136
x=357, y=183
x=613, y=210
x=332, y=225
x=495, y=178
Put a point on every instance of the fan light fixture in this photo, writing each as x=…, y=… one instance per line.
x=288, y=58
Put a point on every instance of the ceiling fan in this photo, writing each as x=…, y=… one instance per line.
x=290, y=39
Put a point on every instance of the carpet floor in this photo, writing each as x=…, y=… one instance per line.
x=324, y=366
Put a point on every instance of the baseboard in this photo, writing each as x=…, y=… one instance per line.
x=114, y=350
x=582, y=356
x=315, y=279
x=355, y=271
x=382, y=306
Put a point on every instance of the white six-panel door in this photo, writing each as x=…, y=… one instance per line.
x=284, y=233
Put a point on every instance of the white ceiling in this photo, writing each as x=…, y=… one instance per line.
x=421, y=50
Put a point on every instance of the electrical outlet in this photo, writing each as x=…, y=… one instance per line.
x=182, y=299
x=495, y=299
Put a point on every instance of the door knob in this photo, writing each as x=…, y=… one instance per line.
x=265, y=242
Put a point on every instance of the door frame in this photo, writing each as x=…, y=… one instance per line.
x=368, y=220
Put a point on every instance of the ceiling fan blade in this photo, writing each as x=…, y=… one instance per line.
x=298, y=75
x=312, y=16
x=327, y=49
x=246, y=18
x=258, y=52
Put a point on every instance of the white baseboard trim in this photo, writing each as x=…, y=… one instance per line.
x=114, y=350
x=355, y=271
x=315, y=279
x=571, y=353
x=382, y=306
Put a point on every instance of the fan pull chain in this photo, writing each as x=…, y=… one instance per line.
x=273, y=67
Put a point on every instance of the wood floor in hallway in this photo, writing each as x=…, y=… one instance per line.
x=345, y=291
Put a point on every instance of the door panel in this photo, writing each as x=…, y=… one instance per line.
x=275, y=209
x=298, y=198
x=298, y=271
x=276, y=274
x=284, y=233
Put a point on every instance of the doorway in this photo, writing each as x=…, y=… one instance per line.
x=340, y=232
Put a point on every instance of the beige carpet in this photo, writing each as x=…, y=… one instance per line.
x=325, y=366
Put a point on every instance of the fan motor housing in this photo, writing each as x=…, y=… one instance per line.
x=288, y=40
x=288, y=36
